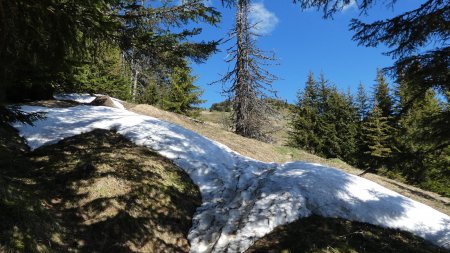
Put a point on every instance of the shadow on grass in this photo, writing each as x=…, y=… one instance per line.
x=319, y=234
x=94, y=192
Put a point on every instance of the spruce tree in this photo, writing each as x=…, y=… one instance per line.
x=304, y=117
x=363, y=107
x=183, y=95
x=346, y=127
x=362, y=102
x=417, y=40
x=418, y=159
x=325, y=126
x=324, y=121
x=383, y=97
x=377, y=135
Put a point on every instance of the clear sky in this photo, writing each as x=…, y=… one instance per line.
x=303, y=41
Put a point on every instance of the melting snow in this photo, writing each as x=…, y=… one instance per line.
x=86, y=98
x=244, y=199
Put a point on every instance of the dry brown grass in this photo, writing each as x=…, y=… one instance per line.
x=278, y=153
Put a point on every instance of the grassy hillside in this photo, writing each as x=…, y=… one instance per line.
x=95, y=192
x=280, y=153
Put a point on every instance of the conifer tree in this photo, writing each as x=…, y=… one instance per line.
x=418, y=159
x=377, y=138
x=325, y=127
x=182, y=95
x=324, y=121
x=418, y=41
x=383, y=97
x=250, y=82
x=304, y=117
x=362, y=102
x=346, y=126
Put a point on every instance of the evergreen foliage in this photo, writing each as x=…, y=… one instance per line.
x=377, y=136
x=41, y=41
x=123, y=48
x=95, y=45
x=418, y=158
x=182, y=94
x=304, y=117
x=324, y=121
x=224, y=106
x=362, y=102
x=393, y=135
x=104, y=74
x=383, y=99
x=418, y=41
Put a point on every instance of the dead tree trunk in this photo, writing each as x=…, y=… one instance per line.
x=250, y=82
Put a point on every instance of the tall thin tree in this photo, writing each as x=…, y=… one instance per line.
x=251, y=83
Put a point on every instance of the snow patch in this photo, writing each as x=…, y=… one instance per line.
x=86, y=98
x=244, y=199
x=80, y=98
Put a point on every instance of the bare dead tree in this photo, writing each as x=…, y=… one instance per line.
x=250, y=82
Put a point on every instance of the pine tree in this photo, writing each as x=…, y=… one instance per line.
x=362, y=102
x=304, y=118
x=182, y=95
x=324, y=121
x=325, y=127
x=419, y=160
x=383, y=97
x=377, y=139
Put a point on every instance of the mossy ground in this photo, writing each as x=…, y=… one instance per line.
x=95, y=192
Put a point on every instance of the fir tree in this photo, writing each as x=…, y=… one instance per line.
x=183, y=95
x=362, y=102
x=377, y=139
x=383, y=97
x=324, y=121
x=418, y=159
x=304, y=117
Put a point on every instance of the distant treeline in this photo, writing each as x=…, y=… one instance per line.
x=389, y=132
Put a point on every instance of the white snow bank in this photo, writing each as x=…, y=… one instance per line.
x=87, y=98
x=118, y=103
x=244, y=199
x=80, y=98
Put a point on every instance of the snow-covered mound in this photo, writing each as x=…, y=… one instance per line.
x=80, y=98
x=86, y=98
x=244, y=199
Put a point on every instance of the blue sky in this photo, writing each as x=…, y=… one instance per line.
x=303, y=41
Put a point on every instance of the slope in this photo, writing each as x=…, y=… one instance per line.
x=95, y=192
x=278, y=153
x=244, y=199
